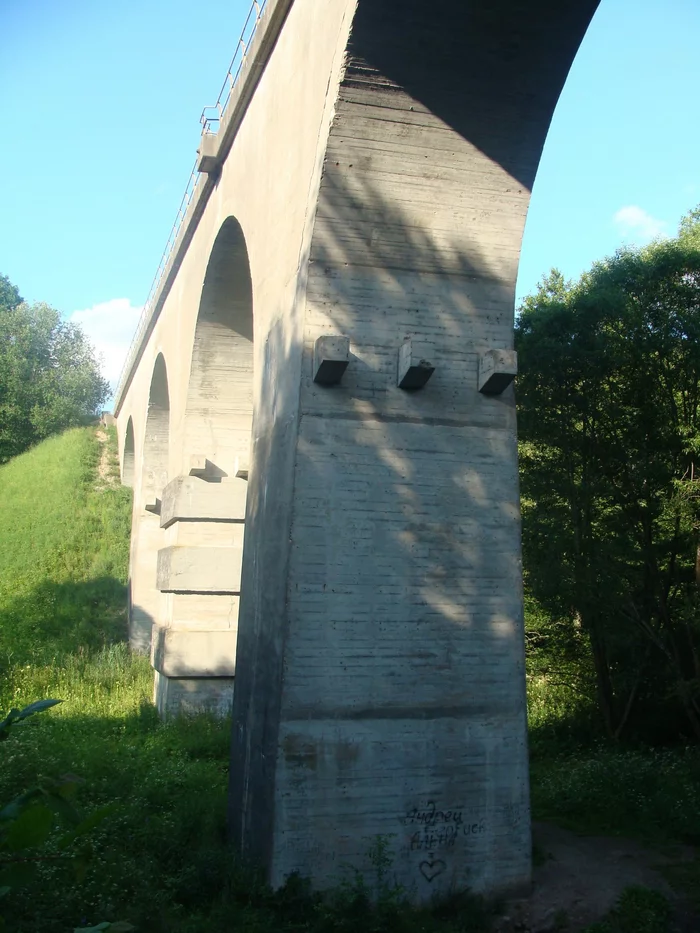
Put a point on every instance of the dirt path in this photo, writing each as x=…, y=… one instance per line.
x=581, y=877
x=105, y=474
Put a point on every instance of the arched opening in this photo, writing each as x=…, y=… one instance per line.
x=146, y=532
x=128, y=458
x=203, y=510
x=155, y=445
x=219, y=409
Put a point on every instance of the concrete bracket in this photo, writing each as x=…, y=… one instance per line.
x=331, y=357
x=208, y=153
x=413, y=369
x=497, y=369
x=190, y=499
x=241, y=468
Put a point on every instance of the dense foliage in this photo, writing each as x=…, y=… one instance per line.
x=49, y=376
x=609, y=419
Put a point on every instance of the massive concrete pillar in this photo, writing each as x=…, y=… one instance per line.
x=203, y=510
x=146, y=535
x=380, y=679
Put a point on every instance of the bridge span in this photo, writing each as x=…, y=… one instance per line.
x=318, y=421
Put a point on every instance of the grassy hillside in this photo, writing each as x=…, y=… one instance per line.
x=64, y=540
x=63, y=553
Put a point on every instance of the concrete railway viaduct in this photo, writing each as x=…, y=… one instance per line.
x=318, y=422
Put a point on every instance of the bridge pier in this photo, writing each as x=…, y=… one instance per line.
x=199, y=569
x=354, y=346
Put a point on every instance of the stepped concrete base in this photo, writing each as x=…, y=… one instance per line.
x=179, y=652
x=194, y=670
x=175, y=696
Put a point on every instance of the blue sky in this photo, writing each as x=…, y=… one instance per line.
x=99, y=110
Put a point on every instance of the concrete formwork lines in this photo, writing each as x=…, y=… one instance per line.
x=358, y=536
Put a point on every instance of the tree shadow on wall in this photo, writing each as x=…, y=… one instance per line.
x=404, y=598
x=399, y=594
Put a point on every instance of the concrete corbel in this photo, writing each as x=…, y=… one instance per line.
x=331, y=356
x=413, y=369
x=497, y=369
x=208, y=153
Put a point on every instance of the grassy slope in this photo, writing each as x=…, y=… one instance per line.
x=63, y=562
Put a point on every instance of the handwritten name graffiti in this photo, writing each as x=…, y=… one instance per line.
x=432, y=828
x=431, y=816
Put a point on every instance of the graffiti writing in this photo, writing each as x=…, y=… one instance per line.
x=430, y=815
x=433, y=828
x=431, y=869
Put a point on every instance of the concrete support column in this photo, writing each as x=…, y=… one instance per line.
x=193, y=648
x=380, y=690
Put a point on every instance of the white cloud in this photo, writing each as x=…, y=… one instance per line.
x=109, y=326
x=637, y=226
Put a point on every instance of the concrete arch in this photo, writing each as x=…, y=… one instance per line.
x=155, y=444
x=129, y=457
x=145, y=598
x=219, y=408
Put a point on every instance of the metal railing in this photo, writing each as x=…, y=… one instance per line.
x=234, y=69
x=210, y=124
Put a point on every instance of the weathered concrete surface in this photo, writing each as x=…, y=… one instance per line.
x=188, y=498
x=199, y=569
x=179, y=652
x=177, y=695
x=376, y=190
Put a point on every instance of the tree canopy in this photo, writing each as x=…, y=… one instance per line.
x=609, y=419
x=9, y=294
x=49, y=376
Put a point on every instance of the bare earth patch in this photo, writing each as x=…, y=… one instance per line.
x=581, y=877
x=105, y=473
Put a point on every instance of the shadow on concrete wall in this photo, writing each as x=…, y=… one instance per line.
x=492, y=71
x=421, y=643
x=418, y=632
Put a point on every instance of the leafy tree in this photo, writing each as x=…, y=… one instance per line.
x=609, y=414
x=49, y=377
x=9, y=294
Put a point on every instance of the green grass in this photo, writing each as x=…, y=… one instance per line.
x=63, y=553
x=638, y=910
x=594, y=786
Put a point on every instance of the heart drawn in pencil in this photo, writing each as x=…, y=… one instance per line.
x=430, y=870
